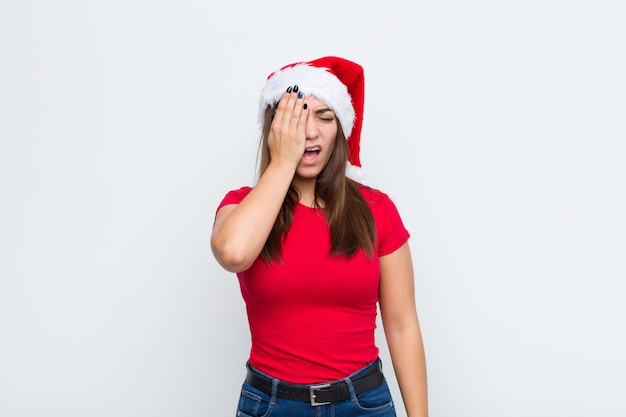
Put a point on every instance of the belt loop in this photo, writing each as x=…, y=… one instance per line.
x=274, y=396
x=350, y=385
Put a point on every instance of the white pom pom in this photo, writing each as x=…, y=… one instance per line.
x=355, y=173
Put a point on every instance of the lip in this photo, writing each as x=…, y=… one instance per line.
x=311, y=154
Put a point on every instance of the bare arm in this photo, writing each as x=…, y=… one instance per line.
x=402, y=329
x=240, y=230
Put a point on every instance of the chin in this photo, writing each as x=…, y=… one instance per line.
x=308, y=173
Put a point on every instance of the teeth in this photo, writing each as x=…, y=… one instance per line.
x=314, y=149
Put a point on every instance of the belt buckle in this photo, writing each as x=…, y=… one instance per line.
x=312, y=394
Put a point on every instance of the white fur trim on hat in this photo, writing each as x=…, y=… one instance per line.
x=315, y=81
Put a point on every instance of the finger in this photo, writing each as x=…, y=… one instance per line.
x=304, y=117
x=291, y=101
x=285, y=111
x=289, y=111
x=296, y=114
x=281, y=106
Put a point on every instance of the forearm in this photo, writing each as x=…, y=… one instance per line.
x=238, y=239
x=409, y=363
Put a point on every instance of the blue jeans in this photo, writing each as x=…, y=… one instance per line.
x=373, y=403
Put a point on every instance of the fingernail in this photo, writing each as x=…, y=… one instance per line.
x=289, y=89
x=305, y=106
x=300, y=94
x=295, y=88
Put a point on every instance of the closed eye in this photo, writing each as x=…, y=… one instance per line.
x=325, y=114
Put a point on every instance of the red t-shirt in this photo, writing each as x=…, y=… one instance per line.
x=312, y=318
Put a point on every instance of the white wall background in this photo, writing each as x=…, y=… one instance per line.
x=498, y=127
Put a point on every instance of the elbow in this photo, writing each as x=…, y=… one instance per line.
x=231, y=258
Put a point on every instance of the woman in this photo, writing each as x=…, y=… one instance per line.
x=315, y=251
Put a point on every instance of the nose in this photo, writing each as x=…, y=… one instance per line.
x=310, y=130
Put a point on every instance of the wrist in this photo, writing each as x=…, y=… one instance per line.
x=284, y=166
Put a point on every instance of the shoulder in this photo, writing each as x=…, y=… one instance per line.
x=391, y=230
x=234, y=196
x=379, y=202
x=239, y=192
x=374, y=196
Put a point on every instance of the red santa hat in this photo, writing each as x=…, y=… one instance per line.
x=338, y=83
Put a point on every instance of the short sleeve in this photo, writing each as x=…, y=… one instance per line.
x=234, y=197
x=391, y=232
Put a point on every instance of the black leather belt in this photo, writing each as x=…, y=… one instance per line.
x=319, y=394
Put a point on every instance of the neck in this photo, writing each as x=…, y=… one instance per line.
x=306, y=190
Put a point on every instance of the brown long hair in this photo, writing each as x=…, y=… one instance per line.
x=347, y=213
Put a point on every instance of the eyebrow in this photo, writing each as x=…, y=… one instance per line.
x=324, y=110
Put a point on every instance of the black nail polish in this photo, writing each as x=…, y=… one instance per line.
x=289, y=89
x=305, y=106
x=295, y=88
x=300, y=94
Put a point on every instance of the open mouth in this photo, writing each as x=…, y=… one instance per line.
x=311, y=153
